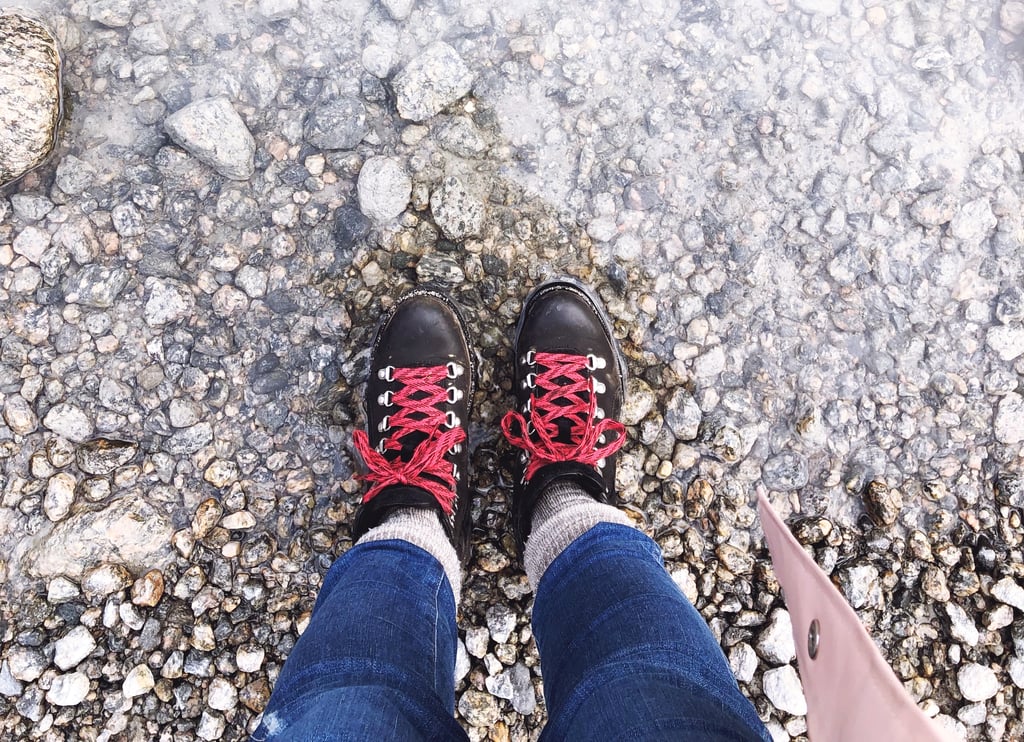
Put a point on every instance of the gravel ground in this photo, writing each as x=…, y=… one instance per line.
x=804, y=217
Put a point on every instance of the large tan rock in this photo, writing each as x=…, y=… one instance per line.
x=30, y=94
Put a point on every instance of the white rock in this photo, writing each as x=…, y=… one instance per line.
x=977, y=682
x=211, y=726
x=104, y=580
x=249, y=657
x=432, y=81
x=61, y=590
x=68, y=690
x=1007, y=342
x=1009, y=420
x=743, y=662
x=384, y=188
x=73, y=647
x=222, y=696
x=137, y=682
x=973, y=222
x=776, y=642
x=26, y=664
x=10, y=685
x=462, y=662
x=60, y=495
x=1008, y=591
x=169, y=301
x=476, y=641
x=783, y=688
x=378, y=60
x=69, y=421
x=19, y=416
x=711, y=363
x=962, y=626
x=213, y=132
x=278, y=10
x=31, y=243
x=399, y=9
x=1016, y=669
x=239, y=521
x=822, y=7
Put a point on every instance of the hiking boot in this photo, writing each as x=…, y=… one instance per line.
x=418, y=399
x=569, y=384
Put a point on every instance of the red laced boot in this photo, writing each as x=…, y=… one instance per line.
x=418, y=401
x=569, y=385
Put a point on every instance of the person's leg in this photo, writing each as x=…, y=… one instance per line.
x=377, y=660
x=624, y=654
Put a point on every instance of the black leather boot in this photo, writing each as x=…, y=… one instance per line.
x=418, y=400
x=569, y=384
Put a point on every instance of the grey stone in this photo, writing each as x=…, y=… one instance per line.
x=149, y=38
x=96, y=286
x=101, y=581
x=973, y=222
x=384, y=188
x=1011, y=17
x=222, y=695
x=461, y=136
x=933, y=209
x=1009, y=420
x=69, y=421
x=60, y=495
x=213, y=132
x=785, y=472
x=860, y=585
x=189, y=440
x=169, y=301
x=1015, y=668
x=1010, y=305
x=30, y=94
x=130, y=530
x=336, y=124
x=783, y=688
x=31, y=243
x=1006, y=341
x=111, y=13
x=479, y=709
x=477, y=641
x=822, y=7
x=501, y=622
x=10, y=686
x=432, y=81
x=683, y=415
x=458, y=212
x=30, y=207
x=103, y=455
x=278, y=10
x=19, y=416
x=26, y=664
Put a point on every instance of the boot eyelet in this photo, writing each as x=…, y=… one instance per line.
x=599, y=387
x=379, y=448
x=455, y=473
x=602, y=438
x=530, y=382
x=387, y=373
x=598, y=413
x=385, y=425
x=453, y=395
x=455, y=370
x=456, y=449
x=595, y=362
x=529, y=358
x=601, y=463
x=385, y=399
x=451, y=420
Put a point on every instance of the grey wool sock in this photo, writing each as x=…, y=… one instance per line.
x=563, y=513
x=421, y=527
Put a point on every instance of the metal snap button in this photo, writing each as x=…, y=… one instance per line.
x=813, y=638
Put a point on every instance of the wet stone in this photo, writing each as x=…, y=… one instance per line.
x=103, y=455
x=458, y=212
x=432, y=81
x=336, y=124
x=213, y=132
x=19, y=416
x=384, y=188
x=26, y=664
x=96, y=286
x=884, y=504
x=148, y=589
x=683, y=415
x=104, y=580
x=30, y=94
x=785, y=472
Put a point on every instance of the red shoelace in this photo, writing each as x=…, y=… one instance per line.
x=416, y=402
x=566, y=391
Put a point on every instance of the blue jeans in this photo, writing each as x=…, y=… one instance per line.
x=624, y=654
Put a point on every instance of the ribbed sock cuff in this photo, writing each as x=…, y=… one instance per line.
x=563, y=513
x=422, y=528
